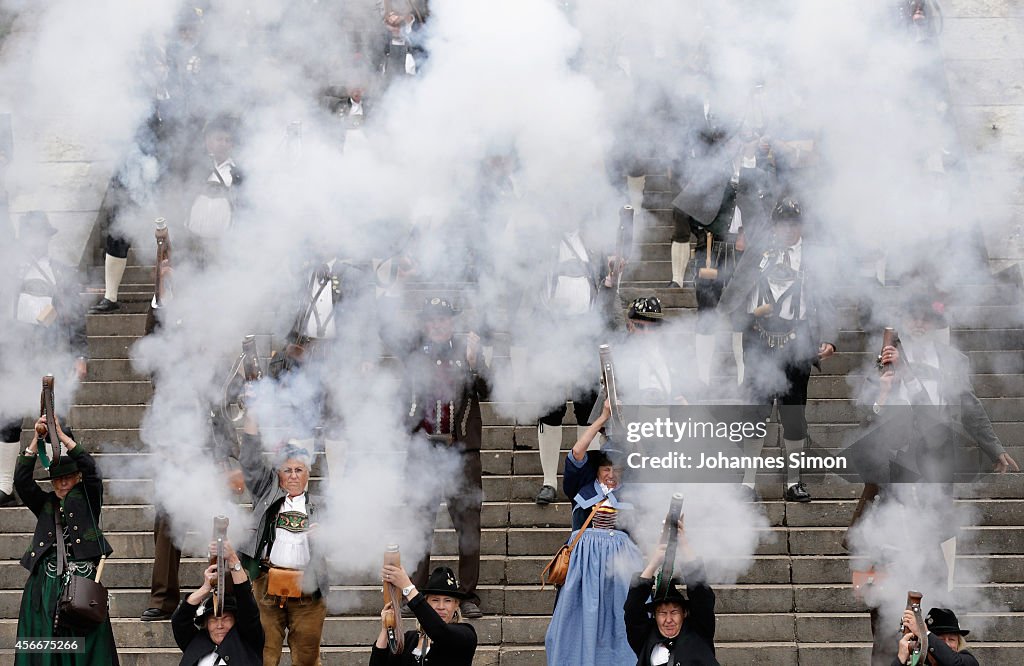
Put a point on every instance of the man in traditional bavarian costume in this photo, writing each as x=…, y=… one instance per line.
x=575, y=289
x=42, y=321
x=791, y=327
x=444, y=390
x=707, y=204
x=280, y=551
x=331, y=288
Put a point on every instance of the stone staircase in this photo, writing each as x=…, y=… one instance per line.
x=793, y=606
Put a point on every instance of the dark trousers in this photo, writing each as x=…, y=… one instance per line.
x=116, y=246
x=464, y=500
x=582, y=407
x=780, y=373
x=164, y=592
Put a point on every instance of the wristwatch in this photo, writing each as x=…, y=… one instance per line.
x=406, y=591
x=237, y=566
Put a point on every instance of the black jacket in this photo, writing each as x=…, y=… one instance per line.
x=452, y=644
x=464, y=388
x=85, y=541
x=243, y=644
x=695, y=644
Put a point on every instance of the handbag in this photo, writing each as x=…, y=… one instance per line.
x=83, y=604
x=557, y=568
x=284, y=584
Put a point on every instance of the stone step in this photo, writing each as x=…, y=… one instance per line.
x=112, y=370
x=966, y=340
x=658, y=183
x=135, y=273
x=670, y=298
x=660, y=233
x=818, y=410
x=138, y=303
x=832, y=569
x=649, y=271
x=985, y=386
x=118, y=323
x=114, y=393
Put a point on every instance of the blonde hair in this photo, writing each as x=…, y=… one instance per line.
x=456, y=616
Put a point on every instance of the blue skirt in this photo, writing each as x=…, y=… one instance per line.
x=587, y=627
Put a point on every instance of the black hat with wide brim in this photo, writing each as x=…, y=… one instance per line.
x=671, y=595
x=66, y=466
x=944, y=621
x=438, y=308
x=205, y=609
x=442, y=581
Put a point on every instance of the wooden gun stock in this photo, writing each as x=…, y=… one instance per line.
x=163, y=262
x=46, y=410
x=889, y=339
x=392, y=595
x=223, y=585
x=670, y=535
x=914, y=605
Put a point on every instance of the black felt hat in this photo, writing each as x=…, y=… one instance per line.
x=787, y=210
x=671, y=595
x=435, y=308
x=442, y=581
x=646, y=309
x=921, y=304
x=205, y=609
x=943, y=621
x=64, y=467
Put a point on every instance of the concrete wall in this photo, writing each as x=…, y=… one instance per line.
x=983, y=46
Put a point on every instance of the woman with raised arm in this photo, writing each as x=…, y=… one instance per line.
x=440, y=637
x=587, y=627
x=66, y=517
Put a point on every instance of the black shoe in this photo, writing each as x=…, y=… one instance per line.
x=797, y=493
x=406, y=611
x=545, y=496
x=673, y=285
x=154, y=615
x=471, y=610
x=7, y=500
x=104, y=306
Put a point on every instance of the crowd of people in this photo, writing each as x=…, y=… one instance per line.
x=739, y=232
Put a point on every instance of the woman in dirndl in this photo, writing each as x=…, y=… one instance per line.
x=588, y=627
x=77, y=497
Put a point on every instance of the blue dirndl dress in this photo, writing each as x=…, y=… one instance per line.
x=587, y=627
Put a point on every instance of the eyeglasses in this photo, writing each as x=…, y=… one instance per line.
x=293, y=471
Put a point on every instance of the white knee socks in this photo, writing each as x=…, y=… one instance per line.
x=791, y=446
x=549, y=440
x=737, y=354
x=752, y=449
x=113, y=271
x=8, y=460
x=680, y=257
